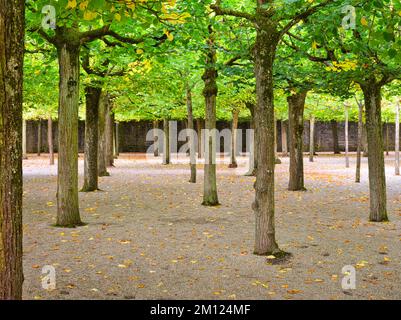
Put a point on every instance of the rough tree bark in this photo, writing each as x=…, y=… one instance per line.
x=296, y=106
x=284, y=145
x=101, y=153
x=50, y=140
x=11, y=78
x=311, y=138
x=166, y=142
x=234, y=131
x=68, y=48
x=192, y=138
x=210, y=93
x=199, y=127
x=359, y=147
x=92, y=96
x=39, y=141
x=267, y=39
x=334, y=130
x=377, y=177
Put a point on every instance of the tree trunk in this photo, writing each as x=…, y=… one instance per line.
x=264, y=205
x=359, y=147
x=24, y=154
x=200, y=138
x=92, y=96
x=397, y=138
x=296, y=106
x=11, y=78
x=234, y=135
x=210, y=92
x=166, y=142
x=334, y=129
x=101, y=156
x=67, y=179
x=346, y=139
x=377, y=177
x=39, y=145
x=284, y=146
x=156, y=141
x=311, y=138
x=109, y=135
x=50, y=140
x=192, y=137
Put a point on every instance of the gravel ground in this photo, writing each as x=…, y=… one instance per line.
x=148, y=237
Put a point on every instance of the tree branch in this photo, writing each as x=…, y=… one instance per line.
x=303, y=15
x=228, y=12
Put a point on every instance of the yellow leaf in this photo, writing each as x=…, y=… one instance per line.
x=89, y=15
x=117, y=16
x=364, y=21
x=71, y=4
x=83, y=5
x=294, y=291
x=314, y=45
x=170, y=37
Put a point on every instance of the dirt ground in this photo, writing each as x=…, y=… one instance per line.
x=148, y=236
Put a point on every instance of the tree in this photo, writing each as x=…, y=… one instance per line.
x=271, y=23
x=72, y=31
x=364, y=52
x=296, y=105
x=12, y=24
x=210, y=91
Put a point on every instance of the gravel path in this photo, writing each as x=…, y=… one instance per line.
x=148, y=237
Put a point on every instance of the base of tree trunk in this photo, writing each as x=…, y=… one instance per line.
x=89, y=189
x=192, y=179
x=71, y=225
x=302, y=189
x=379, y=218
x=104, y=174
x=277, y=253
x=210, y=203
x=233, y=165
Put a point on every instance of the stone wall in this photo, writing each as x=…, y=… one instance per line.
x=132, y=135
